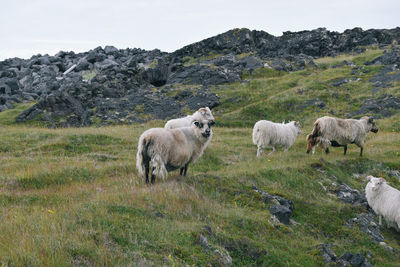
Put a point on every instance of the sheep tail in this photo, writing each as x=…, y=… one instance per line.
x=256, y=135
x=142, y=153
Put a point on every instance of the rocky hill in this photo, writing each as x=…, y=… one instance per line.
x=110, y=85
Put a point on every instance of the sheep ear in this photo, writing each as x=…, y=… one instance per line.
x=369, y=177
x=202, y=111
x=371, y=120
x=382, y=179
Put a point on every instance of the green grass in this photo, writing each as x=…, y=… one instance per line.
x=72, y=196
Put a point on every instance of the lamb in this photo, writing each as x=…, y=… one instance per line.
x=330, y=131
x=271, y=134
x=201, y=114
x=384, y=200
x=170, y=149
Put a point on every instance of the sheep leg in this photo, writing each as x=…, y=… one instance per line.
x=259, y=151
x=361, y=150
x=153, y=177
x=327, y=150
x=147, y=167
x=186, y=168
x=273, y=150
x=181, y=171
x=345, y=150
x=380, y=220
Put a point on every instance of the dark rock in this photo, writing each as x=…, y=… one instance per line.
x=251, y=63
x=368, y=224
x=110, y=49
x=272, y=197
x=382, y=79
x=82, y=64
x=347, y=259
x=356, y=260
x=344, y=81
x=281, y=212
x=380, y=107
x=352, y=196
x=205, y=75
x=282, y=208
x=328, y=255
x=388, y=58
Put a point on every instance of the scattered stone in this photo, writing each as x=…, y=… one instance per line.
x=347, y=259
x=381, y=107
x=282, y=208
x=223, y=255
x=368, y=224
x=340, y=82
x=348, y=195
x=281, y=212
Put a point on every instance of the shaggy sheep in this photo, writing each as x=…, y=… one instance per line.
x=201, y=114
x=384, y=200
x=170, y=149
x=329, y=131
x=271, y=134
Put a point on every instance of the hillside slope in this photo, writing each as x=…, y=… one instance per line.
x=72, y=196
x=117, y=86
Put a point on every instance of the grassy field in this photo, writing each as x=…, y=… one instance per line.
x=72, y=196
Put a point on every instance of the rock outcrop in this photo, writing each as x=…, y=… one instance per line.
x=110, y=85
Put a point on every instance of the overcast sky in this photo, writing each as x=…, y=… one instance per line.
x=48, y=26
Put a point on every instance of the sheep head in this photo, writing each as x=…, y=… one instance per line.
x=202, y=128
x=311, y=142
x=298, y=126
x=375, y=183
x=374, y=128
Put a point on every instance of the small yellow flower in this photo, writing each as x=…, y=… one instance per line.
x=269, y=160
x=50, y=211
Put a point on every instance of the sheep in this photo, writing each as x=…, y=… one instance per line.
x=384, y=200
x=330, y=131
x=170, y=149
x=201, y=114
x=323, y=142
x=271, y=134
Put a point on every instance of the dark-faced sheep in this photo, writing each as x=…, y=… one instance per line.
x=170, y=149
x=199, y=115
x=271, y=134
x=330, y=131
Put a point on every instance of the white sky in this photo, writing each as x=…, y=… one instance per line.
x=47, y=26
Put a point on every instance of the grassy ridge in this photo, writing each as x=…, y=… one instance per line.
x=72, y=196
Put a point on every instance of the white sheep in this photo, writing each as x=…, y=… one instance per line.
x=201, y=114
x=170, y=149
x=271, y=134
x=384, y=200
x=340, y=132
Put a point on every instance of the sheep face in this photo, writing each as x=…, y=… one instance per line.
x=311, y=142
x=298, y=126
x=374, y=128
x=202, y=128
x=375, y=183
